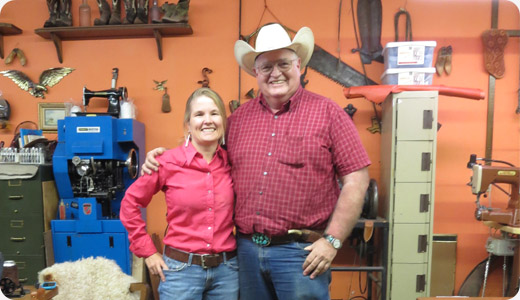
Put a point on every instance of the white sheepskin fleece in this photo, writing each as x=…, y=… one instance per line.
x=89, y=279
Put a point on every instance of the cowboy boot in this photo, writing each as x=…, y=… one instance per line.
x=64, y=15
x=369, y=25
x=181, y=12
x=115, y=17
x=363, y=18
x=104, y=13
x=130, y=12
x=53, y=11
x=142, y=12
x=169, y=10
x=376, y=18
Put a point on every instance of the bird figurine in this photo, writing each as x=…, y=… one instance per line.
x=49, y=77
x=159, y=85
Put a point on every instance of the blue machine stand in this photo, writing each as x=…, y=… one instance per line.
x=95, y=161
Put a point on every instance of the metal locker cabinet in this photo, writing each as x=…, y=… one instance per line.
x=407, y=187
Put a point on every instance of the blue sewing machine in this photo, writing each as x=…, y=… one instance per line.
x=96, y=159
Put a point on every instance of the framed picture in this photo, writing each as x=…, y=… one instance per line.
x=49, y=114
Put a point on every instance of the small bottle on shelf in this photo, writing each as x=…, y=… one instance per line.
x=155, y=12
x=84, y=14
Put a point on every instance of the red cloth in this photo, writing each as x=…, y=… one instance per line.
x=378, y=93
x=284, y=165
x=199, y=199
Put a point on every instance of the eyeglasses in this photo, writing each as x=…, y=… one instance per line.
x=283, y=65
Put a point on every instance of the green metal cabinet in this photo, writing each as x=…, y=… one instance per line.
x=408, y=151
x=26, y=208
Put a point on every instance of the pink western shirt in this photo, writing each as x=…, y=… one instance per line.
x=285, y=164
x=199, y=198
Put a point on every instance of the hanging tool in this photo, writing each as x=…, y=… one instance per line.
x=205, y=82
x=408, y=24
x=343, y=74
x=161, y=86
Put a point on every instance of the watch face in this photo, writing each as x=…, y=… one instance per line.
x=333, y=241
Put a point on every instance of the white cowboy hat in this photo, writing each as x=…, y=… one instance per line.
x=273, y=37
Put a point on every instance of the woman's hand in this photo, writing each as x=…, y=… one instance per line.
x=156, y=265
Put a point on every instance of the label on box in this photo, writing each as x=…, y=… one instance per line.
x=410, y=78
x=410, y=55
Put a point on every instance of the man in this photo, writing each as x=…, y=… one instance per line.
x=287, y=149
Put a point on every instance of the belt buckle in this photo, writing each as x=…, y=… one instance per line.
x=203, y=261
x=261, y=239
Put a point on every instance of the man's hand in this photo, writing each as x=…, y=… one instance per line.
x=319, y=259
x=156, y=265
x=151, y=164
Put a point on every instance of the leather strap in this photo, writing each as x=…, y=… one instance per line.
x=205, y=260
x=368, y=231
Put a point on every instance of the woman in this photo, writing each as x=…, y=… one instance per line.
x=199, y=260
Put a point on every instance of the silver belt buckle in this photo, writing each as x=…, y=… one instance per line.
x=203, y=261
x=261, y=239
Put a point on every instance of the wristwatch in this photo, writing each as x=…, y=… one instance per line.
x=333, y=241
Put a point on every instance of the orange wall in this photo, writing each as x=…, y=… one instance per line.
x=215, y=25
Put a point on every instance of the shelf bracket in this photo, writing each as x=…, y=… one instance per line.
x=1, y=46
x=158, y=40
x=57, y=43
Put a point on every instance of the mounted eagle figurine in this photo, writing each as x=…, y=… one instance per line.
x=49, y=77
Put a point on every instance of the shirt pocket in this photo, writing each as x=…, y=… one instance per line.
x=292, y=151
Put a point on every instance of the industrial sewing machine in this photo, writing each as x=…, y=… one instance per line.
x=96, y=159
x=483, y=177
x=507, y=220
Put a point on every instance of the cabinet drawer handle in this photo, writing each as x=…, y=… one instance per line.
x=424, y=203
x=427, y=119
x=18, y=239
x=420, y=283
x=16, y=224
x=16, y=197
x=426, y=160
x=422, y=243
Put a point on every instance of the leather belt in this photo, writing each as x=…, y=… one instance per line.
x=204, y=260
x=293, y=235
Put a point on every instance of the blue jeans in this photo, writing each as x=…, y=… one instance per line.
x=275, y=273
x=186, y=281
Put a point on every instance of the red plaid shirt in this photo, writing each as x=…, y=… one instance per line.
x=284, y=165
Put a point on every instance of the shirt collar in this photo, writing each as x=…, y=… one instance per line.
x=190, y=152
x=292, y=103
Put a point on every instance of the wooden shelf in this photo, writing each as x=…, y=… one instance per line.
x=7, y=29
x=157, y=31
